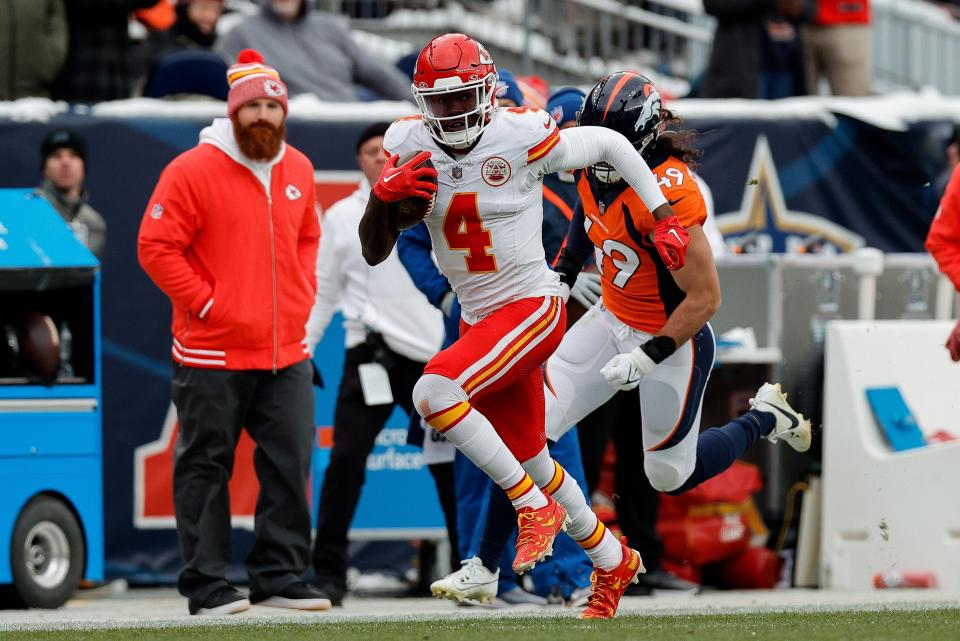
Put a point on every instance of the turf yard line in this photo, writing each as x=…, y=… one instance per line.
x=888, y=625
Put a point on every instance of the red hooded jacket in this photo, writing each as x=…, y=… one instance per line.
x=943, y=239
x=237, y=259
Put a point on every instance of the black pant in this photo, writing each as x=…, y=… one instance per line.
x=355, y=428
x=213, y=406
x=636, y=500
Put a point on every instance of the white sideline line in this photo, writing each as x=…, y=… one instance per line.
x=162, y=609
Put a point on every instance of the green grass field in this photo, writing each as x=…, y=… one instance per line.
x=911, y=625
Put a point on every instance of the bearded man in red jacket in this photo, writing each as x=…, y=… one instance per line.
x=230, y=235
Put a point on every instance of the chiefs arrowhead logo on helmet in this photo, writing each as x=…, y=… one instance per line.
x=454, y=84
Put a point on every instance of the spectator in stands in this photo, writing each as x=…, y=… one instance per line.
x=313, y=53
x=943, y=242
x=168, y=71
x=241, y=283
x=194, y=28
x=63, y=158
x=952, y=158
x=390, y=327
x=33, y=39
x=509, y=92
x=782, y=69
x=535, y=91
x=102, y=60
x=735, y=61
x=837, y=45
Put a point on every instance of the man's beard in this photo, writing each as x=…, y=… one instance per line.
x=259, y=141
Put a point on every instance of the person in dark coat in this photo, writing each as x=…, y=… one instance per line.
x=33, y=39
x=735, y=62
x=101, y=59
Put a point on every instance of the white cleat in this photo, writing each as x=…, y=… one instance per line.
x=472, y=581
x=791, y=426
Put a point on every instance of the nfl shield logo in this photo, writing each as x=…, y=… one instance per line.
x=603, y=207
x=457, y=172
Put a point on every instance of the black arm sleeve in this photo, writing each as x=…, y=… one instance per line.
x=577, y=249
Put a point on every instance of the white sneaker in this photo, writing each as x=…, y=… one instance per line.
x=791, y=426
x=472, y=581
x=519, y=596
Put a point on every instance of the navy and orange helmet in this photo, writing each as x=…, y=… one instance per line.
x=626, y=102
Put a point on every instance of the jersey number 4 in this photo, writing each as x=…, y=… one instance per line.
x=464, y=231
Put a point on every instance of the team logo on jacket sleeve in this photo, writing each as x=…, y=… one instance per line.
x=495, y=171
x=157, y=212
x=292, y=192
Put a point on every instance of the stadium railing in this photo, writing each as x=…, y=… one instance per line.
x=576, y=41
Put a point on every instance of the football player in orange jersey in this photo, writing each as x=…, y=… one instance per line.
x=650, y=329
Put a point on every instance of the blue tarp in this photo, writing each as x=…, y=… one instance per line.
x=34, y=236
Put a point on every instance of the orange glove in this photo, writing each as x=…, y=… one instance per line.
x=953, y=343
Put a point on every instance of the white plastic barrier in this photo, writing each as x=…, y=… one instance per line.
x=887, y=510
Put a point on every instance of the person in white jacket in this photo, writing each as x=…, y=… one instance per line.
x=391, y=333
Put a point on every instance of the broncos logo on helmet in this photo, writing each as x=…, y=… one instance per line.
x=628, y=103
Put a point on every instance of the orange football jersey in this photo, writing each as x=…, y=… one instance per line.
x=637, y=287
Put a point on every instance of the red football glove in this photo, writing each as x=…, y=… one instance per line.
x=671, y=240
x=953, y=343
x=406, y=181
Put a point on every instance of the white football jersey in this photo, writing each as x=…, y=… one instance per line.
x=487, y=220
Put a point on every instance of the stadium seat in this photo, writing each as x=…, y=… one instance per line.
x=193, y=72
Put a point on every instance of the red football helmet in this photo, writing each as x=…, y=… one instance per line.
x=455, y=86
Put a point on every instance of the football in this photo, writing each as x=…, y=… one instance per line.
x=39, y=344
x=408, y=212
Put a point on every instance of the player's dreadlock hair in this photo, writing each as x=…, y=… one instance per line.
x=677, y=141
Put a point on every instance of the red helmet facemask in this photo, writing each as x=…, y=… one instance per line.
x=455, y=86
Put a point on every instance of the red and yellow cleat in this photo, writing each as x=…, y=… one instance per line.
x=537, y=530
x=609, y=585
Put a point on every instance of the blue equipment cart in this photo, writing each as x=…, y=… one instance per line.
x=51, y=504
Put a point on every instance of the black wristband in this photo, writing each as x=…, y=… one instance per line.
x=659, y=348
x=569, y=268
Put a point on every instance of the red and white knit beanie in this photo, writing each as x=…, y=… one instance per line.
x=250, y=79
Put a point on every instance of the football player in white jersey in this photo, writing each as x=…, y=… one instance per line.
x=484, y=393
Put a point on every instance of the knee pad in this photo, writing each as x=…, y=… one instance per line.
x=662, y=477
x=434, y=393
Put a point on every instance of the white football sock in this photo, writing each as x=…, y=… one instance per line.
x=445, y=406
x=584, y=526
